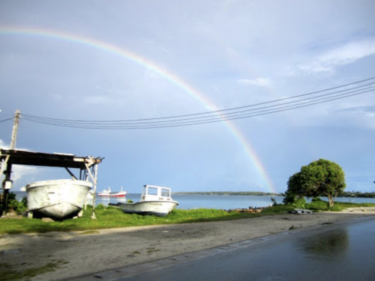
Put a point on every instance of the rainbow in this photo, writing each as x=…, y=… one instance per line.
x=104, y=46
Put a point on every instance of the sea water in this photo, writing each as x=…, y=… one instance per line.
x=225, y=202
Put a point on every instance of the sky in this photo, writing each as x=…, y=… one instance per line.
x=124, y=60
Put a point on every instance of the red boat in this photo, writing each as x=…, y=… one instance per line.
x=108, y=193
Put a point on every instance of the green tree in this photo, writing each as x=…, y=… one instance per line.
x=319, y=178
x=14, y=204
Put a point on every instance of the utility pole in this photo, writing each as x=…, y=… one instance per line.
x=7, y=183
x=15, y=129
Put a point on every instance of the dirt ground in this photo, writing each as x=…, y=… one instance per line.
x=78, y=253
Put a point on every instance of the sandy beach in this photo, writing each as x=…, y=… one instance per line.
x=79, y=253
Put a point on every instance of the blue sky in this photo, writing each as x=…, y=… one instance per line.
x=232, y=53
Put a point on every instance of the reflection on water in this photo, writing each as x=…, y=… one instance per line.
x=106, y=200
x=332, y=244
x=206, y=201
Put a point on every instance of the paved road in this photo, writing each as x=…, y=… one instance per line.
x=333, y=252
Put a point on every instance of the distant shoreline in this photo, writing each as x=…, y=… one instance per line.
x=253, y=193
x=351, y=194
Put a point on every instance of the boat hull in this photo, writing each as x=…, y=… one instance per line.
x=157, y=208
x=57, y=198
x=113, y=195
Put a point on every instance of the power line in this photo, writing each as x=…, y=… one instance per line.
x=221, y=110
x=1, y=121
x=284, y=104
x=179, y=124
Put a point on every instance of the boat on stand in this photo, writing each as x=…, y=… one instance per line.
x=57, y=198
x=108, y=193
x=61, y=198
x=155, y=200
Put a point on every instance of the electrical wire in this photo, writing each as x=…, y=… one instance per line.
x=7, y=119
x=179, y=124
x=157, y=120
x=221, y=110
x=274, y=106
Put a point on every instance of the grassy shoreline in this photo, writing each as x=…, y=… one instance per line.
x=111, y=217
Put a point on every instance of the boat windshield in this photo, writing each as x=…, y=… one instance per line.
x=152, y=191
x=165, y=192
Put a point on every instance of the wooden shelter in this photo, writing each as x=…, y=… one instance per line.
x=88, y=166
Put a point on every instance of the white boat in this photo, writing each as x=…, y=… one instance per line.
x=155, y=200
x=57, y=198
x=90, y=195
x=108, y=193
x=300, y=211
x=89, y=198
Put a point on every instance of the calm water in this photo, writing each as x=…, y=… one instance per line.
x=214, y=201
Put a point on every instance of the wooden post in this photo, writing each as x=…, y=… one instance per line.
x=8, y=171
x=15, y=129
x=94, y=179
x=93, y=199
x=7, y=179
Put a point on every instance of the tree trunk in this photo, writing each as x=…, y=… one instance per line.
x=331, y=201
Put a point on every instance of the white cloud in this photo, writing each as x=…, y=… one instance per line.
x=55, y=96
x=19, y=173
x=365, y=114
x=315, y=66
x=97, y=99
x=22, y=173
x=344, y=55
x=3, y=145
x=110, y=90
x=261, y=82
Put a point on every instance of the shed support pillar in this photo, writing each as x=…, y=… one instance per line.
x=7, y=184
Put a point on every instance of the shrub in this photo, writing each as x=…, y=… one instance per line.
x=290, y=198
x=317, y=204
x=335, y=208
x=274, y=203
x=13, y=204
x=300, y=203
x=100, y=207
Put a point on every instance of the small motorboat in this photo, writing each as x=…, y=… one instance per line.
x=301, y=211
x=57, y=198
x=155, y=200
x=108, y=193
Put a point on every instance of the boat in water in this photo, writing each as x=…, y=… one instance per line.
x=57, y=198
x=108, y=193
x=155, y=200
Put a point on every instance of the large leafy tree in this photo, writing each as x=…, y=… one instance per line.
x=319, y=178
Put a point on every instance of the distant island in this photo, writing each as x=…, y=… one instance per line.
x=357, y=194
x=256, y=193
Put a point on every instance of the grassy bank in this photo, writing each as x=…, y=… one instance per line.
x=111, y=217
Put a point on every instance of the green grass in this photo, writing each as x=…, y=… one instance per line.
x=320, y=205
x=278, y=209
x=9, y=273
x=111, y=217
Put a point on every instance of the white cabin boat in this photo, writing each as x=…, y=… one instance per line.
x=155, y=200
x=57, y=198
x=108, y=193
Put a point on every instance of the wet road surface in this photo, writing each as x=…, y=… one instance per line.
x=340, y=251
